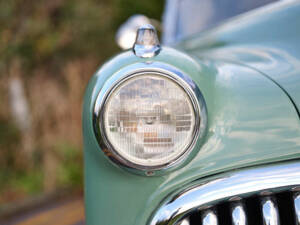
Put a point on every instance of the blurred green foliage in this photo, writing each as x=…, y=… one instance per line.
x=19, y=184
x=70, y=173
x=43, y=37
x=10, y=136
x=49, y=33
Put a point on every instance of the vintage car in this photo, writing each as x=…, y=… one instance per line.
x=205, y=131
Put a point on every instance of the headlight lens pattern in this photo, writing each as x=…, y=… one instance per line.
x=149, y=120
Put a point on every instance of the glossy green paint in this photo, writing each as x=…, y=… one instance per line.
x=251, y=121
x=266, y=39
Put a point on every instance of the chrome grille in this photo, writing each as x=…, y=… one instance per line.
x=281, y=208
x=268, y=195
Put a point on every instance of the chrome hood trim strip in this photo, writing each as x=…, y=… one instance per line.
x=238, y=184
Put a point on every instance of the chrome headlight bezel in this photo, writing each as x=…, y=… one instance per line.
x=159, y=69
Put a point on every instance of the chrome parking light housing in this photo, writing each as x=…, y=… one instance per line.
x=135, y=71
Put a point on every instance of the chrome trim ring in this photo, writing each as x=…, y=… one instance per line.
x=159, y=69
x=229, y=187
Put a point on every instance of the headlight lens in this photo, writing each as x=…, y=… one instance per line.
x=149, y=120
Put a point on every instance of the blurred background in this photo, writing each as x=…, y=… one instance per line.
x=49, y=50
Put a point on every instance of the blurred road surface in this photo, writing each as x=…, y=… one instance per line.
x=70, y=212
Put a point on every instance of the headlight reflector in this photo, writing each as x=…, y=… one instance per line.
x=149, y=120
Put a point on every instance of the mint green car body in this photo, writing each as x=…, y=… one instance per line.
x=248, y=70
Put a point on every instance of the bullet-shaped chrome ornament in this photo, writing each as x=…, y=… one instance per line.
x=146, y=44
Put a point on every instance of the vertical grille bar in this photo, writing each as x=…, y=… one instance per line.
x=297, y=208
x=270, y=212
x=258, y=196
x=186, y=221
x=209, y=218
x=238, y=214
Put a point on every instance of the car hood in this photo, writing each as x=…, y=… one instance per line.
x=266, y=40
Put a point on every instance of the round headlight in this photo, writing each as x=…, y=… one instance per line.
x=149, y=120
